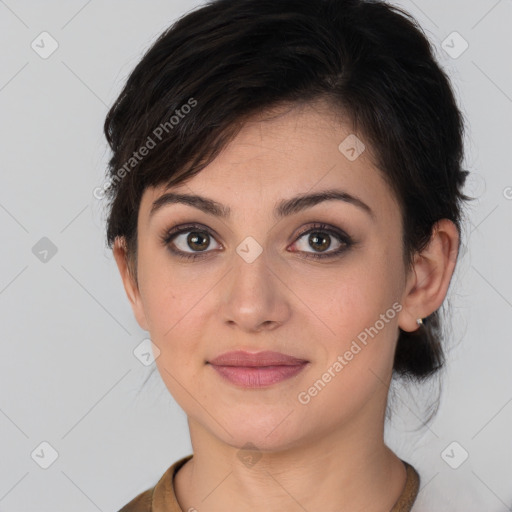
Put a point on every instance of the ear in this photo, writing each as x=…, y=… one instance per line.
x=130, y=286
x=428, y=281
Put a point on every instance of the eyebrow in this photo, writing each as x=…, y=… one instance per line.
x=282, y=209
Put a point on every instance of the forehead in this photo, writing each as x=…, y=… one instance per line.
x=284, y=153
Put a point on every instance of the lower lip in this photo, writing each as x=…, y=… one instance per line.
x=258, y=376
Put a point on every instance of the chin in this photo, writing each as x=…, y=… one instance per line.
x=266, y=431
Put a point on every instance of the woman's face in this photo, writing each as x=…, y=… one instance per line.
x=257, y=286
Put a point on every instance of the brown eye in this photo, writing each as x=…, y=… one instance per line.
x=198, y=241
x=321, y=238
x=322, y=242
x=189, y=241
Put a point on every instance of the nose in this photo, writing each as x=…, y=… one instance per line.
x=254, y=296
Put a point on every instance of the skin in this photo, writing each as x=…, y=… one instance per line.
x=328, y=454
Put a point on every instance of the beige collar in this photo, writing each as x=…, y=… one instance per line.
x=164, y=498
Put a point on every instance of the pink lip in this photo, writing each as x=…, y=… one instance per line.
x=254, y=370
x=266, y=358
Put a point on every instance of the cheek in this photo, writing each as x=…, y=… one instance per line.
x=359, y=306
x=177, y=329
x=179, y=298
x=357, y=357
x=170, y=293
x=355, y=296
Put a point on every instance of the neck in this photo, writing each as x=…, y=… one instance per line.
x=343, y=470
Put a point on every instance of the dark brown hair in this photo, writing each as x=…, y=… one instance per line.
x=231, y=59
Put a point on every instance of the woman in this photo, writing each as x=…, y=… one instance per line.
x=285, y=212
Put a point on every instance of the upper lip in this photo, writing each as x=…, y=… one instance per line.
x=265, y=358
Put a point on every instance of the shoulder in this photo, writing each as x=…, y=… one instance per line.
x=141, y=502
x=410, y=490
x=162, y=492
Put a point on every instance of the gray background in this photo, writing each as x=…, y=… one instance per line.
x=67, y=369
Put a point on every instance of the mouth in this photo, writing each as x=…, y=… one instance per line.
x=257, y=370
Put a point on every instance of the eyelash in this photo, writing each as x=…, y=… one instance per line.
x=169, y=235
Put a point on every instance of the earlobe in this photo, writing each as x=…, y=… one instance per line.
x=430, y=278
x=130, y=286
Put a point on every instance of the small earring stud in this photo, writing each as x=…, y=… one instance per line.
x=419, y=321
